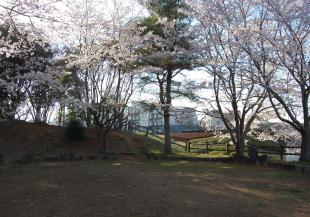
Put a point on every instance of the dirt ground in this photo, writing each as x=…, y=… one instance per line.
x=151, y=188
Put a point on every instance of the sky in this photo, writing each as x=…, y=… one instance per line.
x=198, y=76
x=134, y=9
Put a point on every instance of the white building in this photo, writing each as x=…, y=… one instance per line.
x=213, y=120
x=148, y=115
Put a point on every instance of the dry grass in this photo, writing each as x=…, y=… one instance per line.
x=152, y=188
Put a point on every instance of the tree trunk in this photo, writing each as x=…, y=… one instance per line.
x=167, y=113
x=37, y=118
x=167, y=131
x=88, y=118
x=88, y=114
x=240, y=146
x=305, y=145
x=61, y=115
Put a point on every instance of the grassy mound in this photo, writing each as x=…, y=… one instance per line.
x=20, y=138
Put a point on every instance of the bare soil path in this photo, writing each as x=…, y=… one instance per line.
x=151, y=188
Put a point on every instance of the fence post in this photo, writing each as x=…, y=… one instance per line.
x=281, y=152
x=227, y=148
x=147, y=132
x=252, y=152
x=207, y=146
x=189, y=146
x=130, y=127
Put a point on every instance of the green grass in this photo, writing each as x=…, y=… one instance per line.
x=211, y=140
x=188, y=165
x=278, y=174
x=215, y=150
x=216, y=147
x=301, y=163
x=198, y=155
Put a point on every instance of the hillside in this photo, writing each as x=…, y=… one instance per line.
x=19, y=138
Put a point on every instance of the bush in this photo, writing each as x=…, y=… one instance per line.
x=75, y=130
x=255, y=141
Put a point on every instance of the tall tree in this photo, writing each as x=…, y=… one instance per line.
x=101, y=64
x=279, y=46
x=239, y=98
x=167, y=51
x=29, y=80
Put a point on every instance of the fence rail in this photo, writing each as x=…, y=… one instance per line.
x=278, y=150
x=281, y=150
x=148, y=131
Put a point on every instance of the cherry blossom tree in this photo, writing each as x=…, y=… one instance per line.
x=101, y=61
x=238, y=97
x=28, y=76
x=27, y=70
x=272, y=37
x=288, y=37
x=275, y=36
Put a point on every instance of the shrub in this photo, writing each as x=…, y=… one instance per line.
x=75, y=130
x=258, y=142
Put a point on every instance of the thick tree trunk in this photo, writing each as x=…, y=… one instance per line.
x=305, y=145
x=37, y=118
x=165, y=100
x=167, y=113
x=167, y=131
x=240, y=145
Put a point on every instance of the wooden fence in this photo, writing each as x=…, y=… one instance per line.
x=134, y=128
x=278, y=150
x=206, y=147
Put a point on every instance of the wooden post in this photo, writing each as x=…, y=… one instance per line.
x=281, y=152
x=227, y=148
x=189, y=146
x=185, y=145
x=147, y=132
x=207, y=146
x=130, y=127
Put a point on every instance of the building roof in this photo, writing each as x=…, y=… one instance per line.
x=152, y=106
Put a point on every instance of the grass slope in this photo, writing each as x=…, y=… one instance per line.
x=18, y=138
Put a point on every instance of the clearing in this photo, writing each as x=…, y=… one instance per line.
x=151, y=188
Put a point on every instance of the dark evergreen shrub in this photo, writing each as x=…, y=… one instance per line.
x=75, y=130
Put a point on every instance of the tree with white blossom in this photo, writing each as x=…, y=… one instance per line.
x=101, y=62
x=237, y=95
x=276, y=37
x=28, y=75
